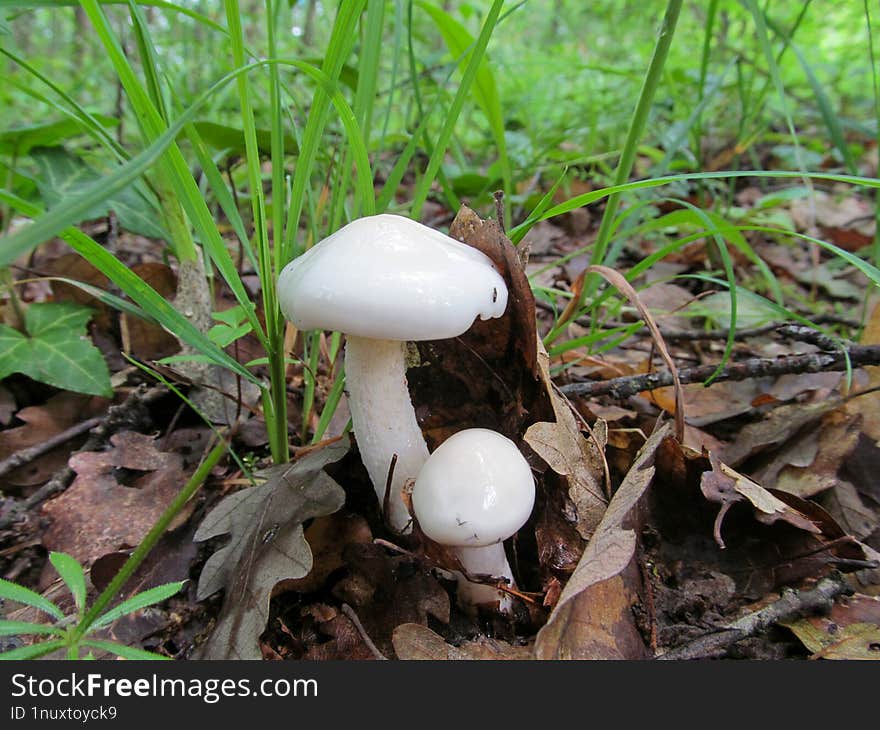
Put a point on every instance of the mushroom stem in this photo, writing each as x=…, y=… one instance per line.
x=487, y=560
x=383, y=419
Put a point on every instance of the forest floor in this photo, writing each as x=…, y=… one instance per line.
x=747, y=529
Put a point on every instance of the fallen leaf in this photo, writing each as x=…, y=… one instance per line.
x=146, y=340
x=848, y=211
x=850, y=631
x=414, y=641
x=7, y=406
x=328, y=537
x=487, y=377
x=97, y=515
x=594, y=618
x=727, y=487
x=266, y=545
x=571, y=455
x=389, y=590
x=40, y=423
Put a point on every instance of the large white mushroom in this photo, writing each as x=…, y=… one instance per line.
x=384, y=280
x=475, y=491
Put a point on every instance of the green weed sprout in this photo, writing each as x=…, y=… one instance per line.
x=67, y=633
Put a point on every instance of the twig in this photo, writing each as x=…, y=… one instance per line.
x=498, y=195
x=811, y=336
x=131, y=413
x=353, y=617
x=25, y=456
x=793, y=604
x=816, y=362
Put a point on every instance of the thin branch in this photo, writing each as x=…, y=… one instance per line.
x=791, y=605
x=353, y=617
x=128, y=414
x=25, y=456
x=816, y=362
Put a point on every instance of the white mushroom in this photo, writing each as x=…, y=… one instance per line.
x=473, y=492
x=383, y=280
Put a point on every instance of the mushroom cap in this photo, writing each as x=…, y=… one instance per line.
x=476, y=489
x=391, y=278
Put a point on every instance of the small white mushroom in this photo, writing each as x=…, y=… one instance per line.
x=384, y=280
x=473, y=492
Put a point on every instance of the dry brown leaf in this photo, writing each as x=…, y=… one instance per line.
x=851, y=631
x=387, y=591
x=57, y=414
x=75, y=267
x=593, y=618
x=328, y=538
x=727, y=487
x=98, y=515
x=148, y=341
x=266, y=546
x=414, y=641
x=571, y=455
x=487, y=377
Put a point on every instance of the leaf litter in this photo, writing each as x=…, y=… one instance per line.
x=266, y=545
x=305, y=572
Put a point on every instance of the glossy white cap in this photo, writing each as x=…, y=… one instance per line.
x=476, y=489
x=388, y=277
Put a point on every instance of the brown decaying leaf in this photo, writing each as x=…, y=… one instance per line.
x=565, y=449
x=57, y=414
x=98, y=515
x=487, y=377
x=414, y=641
x=388, y=590
x=145, y=340
x=593, y=618
x=75, y=267
x=727, y=487
x=487, y=236
x=851, y=631
x=328, y=537
x=266, y=545
x=7, y=406
x=775, y=428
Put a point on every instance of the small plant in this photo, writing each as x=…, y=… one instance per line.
x=71, y=633
x=56, y=349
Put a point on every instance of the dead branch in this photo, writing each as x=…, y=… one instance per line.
x=791, y=605
x=25, y=456
x=353, y=617
x=816, y=362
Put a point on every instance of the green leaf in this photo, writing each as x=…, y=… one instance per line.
x=13, y=347
x=126, y=652
x=19, y=140
x=57, y=351
x=139, y=601
x=64, y=175
x=71, y=573
x=13, y=592
x=154, y=305
x=70, y=362
x=15, y=628
x=35, y=651
x=225, y=137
